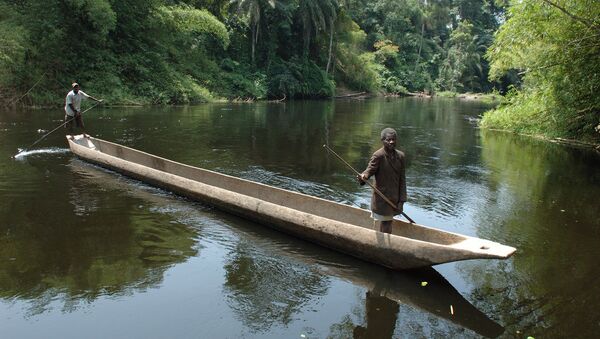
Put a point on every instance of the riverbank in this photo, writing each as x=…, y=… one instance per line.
x=484, y=97
x=340, y=93
x=541, y=114
x=564, y=141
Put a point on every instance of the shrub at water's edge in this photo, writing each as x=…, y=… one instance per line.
x=556, y=46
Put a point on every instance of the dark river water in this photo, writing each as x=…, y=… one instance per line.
x=88, y=253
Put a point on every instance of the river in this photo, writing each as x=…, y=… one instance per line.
x=89, y=253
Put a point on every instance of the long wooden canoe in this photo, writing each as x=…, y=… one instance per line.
x=403, y=287
x=337, y=226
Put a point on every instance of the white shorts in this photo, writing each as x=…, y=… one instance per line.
x=379, y=217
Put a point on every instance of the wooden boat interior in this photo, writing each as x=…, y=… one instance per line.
x=298, y=201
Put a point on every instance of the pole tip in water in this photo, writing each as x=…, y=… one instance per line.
x=19, y=151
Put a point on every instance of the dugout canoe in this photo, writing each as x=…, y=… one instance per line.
x=337, y=226
x=403, y=287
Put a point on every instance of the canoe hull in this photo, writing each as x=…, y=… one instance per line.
x=322, y=227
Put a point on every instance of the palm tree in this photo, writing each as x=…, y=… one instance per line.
x=317, y=15
x=253, y=9
x=425, y=17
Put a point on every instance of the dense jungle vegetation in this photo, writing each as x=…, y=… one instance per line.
x=555, y=46
x=544, y=53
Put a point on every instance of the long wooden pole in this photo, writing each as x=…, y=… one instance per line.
x=52, y=131
x=369, y=183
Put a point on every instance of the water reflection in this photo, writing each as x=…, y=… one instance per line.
x=69, y=233
x=388, y=292
x=89, y=252
x=544, y=193
x=265, y=290
x=381, y=316
x=271, y=276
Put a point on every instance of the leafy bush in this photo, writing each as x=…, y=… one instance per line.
x=298, y=78
x=560, y=57
x=12, y=44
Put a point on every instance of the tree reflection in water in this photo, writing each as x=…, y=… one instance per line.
x=264, y=290
x=77, y=257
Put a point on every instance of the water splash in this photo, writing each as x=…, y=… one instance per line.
x=51, y=150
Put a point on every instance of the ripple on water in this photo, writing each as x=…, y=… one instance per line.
x=42, y=151
x=259, y=174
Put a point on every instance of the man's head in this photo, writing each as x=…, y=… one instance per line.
x=75, y=87
x=388, y=138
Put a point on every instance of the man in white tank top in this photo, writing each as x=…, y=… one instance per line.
x=73, y=108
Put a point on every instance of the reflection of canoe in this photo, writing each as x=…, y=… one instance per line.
x=337, y=226
x=436, y=297
x=405, y=287
x=401, y=287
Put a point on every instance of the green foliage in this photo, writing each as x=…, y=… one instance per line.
x=298, y=79
x=191, y=26
x=254, y=11
x=556, y=45
x=522, y=113
x=386, y=56
x=188, y=51
x=355, y=67
x=239, y=81
x=422, y=30
x=98, y=13
x=385, y=50
x=316, y=16
x=462, y=70
x=12, y=44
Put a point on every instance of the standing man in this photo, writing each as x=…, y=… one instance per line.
x=73, y=108
x=388, y=165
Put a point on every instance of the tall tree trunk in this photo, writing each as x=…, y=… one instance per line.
x=420, y=46
x=254, y=38
x=330, y=48
x=307, y=44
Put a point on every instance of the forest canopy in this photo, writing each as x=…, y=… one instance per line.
x=167, y=52
x=542, y=53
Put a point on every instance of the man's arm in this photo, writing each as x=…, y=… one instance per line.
x=85, y=95
x=372, y=168
x=97, y=100
x=402, y=178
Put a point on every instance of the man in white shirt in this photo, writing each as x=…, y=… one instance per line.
x=73, y=108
